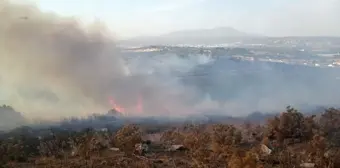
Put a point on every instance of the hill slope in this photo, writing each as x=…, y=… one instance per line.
x=195, y=36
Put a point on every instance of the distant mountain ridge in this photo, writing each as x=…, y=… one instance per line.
x=214, y=32
x=193, y=36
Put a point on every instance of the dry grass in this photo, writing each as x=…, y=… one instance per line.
x=293, y=138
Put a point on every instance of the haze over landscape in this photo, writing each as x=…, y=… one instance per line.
x=170, y=83
x=129, y=18
x=70, y=59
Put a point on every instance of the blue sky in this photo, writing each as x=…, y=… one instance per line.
x=129, y=18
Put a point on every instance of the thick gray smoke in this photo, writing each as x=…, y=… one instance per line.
x=51, y=64
x=55, y=67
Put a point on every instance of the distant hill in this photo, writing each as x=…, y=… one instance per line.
x=208, y=33
x=195, y=36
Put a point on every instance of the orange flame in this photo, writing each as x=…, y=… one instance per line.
x=116, y=106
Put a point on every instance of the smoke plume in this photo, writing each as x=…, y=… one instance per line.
x=52, y=66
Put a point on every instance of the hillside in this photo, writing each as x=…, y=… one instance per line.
x=208, y=33
x=194, y=36
x=290, y=139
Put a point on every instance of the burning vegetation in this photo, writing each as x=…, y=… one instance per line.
x=52, y=55
x=138, y=109
x=291, y=139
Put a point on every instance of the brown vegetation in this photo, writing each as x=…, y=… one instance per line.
x=290, y=139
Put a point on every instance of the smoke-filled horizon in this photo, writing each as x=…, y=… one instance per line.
x=54, y=67
x=264, y=17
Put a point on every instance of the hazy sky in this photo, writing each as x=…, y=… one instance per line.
x=128, y=18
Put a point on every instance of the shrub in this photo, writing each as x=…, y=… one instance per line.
x=290, y=125
x=225, y=137
x=127, y=137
